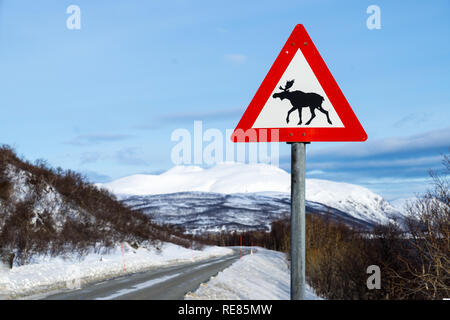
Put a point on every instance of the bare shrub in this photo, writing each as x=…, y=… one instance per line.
x=5, y=190
x=428, y=229
x=100, y=220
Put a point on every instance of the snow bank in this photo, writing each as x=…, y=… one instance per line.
x=56, y=273
x=265, y=275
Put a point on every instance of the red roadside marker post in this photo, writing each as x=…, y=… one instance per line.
x=241, y=246
x=123, y=258
x=298, y=102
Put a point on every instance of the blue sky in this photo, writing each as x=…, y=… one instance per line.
x=104, y=100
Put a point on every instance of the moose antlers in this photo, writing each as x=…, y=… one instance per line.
x=287, y=86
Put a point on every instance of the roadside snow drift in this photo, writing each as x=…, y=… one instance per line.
x=48, y=274
x=265, y=275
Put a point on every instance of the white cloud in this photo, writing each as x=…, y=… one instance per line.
x=410, y=162
x=133, y=156
x=394, y=145
x=315, y=172
x=89, y=139
x=222, y=30
x=236, y=58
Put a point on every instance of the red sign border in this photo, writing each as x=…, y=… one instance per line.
x=299, y=39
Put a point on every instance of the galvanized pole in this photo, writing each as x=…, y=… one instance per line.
x=298, y=161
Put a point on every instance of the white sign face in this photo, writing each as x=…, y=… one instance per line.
x=301, y=101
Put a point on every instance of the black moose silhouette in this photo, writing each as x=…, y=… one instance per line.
x=301, y=100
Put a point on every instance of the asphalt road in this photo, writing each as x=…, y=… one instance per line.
x=168, y=283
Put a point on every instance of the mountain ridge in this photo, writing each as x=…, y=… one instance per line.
x=199, y=212
x=238, y=178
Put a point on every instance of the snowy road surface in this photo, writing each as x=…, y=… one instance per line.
x=169, y=283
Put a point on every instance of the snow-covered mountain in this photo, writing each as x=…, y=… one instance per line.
x=401, y=204
x=226, y=178
x=199, y=212
x=226, y=195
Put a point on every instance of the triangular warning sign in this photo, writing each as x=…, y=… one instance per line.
x=299, y=101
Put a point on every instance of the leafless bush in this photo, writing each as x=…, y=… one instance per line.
x=100, y=220
x=429, y=239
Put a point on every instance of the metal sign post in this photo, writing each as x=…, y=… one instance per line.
x=298, y=79
x=298, y=166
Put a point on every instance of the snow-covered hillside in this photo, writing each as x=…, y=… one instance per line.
x=358, y=201
x=233, y=178
x=46, y=201
x=45, y=211
x=199, y=212
x=402, y=204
